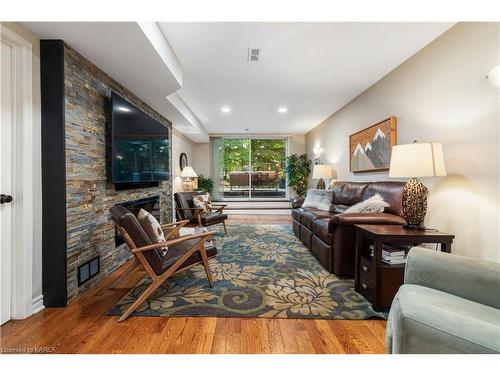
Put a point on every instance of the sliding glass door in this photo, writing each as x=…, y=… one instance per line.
x=249, y=168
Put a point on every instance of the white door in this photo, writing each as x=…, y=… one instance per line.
x=6, y=180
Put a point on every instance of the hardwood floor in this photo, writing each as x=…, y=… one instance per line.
x=84, y=327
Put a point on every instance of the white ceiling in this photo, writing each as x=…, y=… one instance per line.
x=311, y=68
x=188, y=71
x=138, y=56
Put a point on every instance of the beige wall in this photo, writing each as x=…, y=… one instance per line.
x=440, y=94
x=203, y=158
x=37, y=169
x=181, y=144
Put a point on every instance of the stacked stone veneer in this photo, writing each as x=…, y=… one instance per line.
x=89, y=196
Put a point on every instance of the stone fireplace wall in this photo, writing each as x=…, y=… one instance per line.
x=89, y=196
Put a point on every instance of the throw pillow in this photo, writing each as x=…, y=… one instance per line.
x=152, y=228
x=319, y=199
x=375, y=204
x=203, y=201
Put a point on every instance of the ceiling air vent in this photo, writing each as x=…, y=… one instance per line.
x=254, y=54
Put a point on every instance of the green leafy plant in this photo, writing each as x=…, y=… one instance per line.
x=298, y=168
x=205, y=184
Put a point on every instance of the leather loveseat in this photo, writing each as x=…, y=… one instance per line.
x=330, y=234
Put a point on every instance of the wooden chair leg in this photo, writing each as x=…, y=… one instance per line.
x=204, y=257
x=127, y=272
x=138, y=302
x=224, y=223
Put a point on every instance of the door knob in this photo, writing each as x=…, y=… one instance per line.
x=4, y=198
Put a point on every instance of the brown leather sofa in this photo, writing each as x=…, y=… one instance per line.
x=330, y=234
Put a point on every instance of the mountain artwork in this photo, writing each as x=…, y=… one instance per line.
x=370, y=149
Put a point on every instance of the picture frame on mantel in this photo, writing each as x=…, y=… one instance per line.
x=370, y=148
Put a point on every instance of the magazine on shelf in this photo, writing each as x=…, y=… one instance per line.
x=395, y=261
x=396, y=253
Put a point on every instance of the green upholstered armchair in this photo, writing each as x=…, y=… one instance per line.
x=448, y=304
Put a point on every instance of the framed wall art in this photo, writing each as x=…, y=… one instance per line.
x=370, y=148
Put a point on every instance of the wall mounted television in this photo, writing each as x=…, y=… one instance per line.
x=139, y=146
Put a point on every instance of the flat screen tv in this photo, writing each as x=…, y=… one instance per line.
x=139, y=144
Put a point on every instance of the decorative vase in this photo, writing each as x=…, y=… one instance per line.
x=321, y=184
x=414, y=204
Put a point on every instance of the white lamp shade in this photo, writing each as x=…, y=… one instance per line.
x=188, y=172
x=494, y=76
x=417, y=160
x=322, y=171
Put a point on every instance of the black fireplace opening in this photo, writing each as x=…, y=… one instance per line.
x=150, y=204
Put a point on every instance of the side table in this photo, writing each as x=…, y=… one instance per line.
x=377, y=280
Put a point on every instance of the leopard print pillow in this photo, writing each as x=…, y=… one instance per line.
x=203, y=201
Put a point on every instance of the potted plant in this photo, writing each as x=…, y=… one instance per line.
x=298, y=168
x=205, y=184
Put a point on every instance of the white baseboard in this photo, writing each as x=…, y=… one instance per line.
x=37, y=304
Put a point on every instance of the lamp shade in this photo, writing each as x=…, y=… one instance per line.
x=188, y=172
x=322, y=171
x=417, y=160
x=494, y=76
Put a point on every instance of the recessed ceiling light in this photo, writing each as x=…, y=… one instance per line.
x=282, y=109
x=123, y=109
x=225, y=109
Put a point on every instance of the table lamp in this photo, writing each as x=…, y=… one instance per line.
x=416, y=160
x=188, y=173
x=321, y=171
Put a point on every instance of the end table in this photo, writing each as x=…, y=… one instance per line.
x=377, y=280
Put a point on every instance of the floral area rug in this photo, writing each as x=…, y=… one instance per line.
x=259, y=271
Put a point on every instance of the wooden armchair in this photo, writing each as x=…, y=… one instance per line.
x=185, y=210
x=183, y=252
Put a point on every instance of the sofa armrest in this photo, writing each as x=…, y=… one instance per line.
x=297, y=202
x=469, y=278
x=365, y=218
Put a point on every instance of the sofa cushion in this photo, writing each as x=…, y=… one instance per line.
x=129, y=222
x=426, y=320
x=321, y=228
x=308, y=217
x=319, y=199
x=153, y=229
x=297, y=214
x=373, y=205
x=203, y=201
x=323, y=252
x=391, y=192
x=348, y=193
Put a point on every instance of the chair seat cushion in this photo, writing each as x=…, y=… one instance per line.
x=212, y=217
x=309, y=216
x=175, y=252
x=426, y=320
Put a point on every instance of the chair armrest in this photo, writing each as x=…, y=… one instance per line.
x=469, y=278
x=189, y=209
x=205, y=236
x=365, y=218
x=297, y=202
x=221, y=207
x=175, y=223
x=174, y=227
